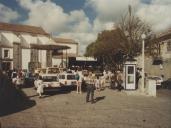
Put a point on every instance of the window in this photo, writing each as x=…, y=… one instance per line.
x=71, y=77
x=169, y=46
x=6, y=53
x=130, y=69
x=49, y=78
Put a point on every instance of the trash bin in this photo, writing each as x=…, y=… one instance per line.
x=151, y=87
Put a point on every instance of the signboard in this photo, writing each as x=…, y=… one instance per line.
x=85, y=59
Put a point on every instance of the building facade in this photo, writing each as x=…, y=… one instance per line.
x=161, y=65
x=26, y=47
x=61, y=59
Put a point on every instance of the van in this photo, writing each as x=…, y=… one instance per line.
x=49, y=81
x=67, y=79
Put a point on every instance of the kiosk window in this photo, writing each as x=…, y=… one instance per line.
x=130, y=79
x=130, y=70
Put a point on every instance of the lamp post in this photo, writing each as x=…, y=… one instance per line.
x=143, y=36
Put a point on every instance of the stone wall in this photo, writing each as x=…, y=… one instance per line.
x=156, y=70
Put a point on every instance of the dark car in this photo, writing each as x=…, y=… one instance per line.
x=167, y=84
x=29, y=80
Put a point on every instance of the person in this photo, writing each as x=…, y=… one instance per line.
x=112, y=81
x=79, y=81
x=20, y=79
x=97, y=83
x=14, y=76
x=138, y=76
x=40, y=86
x=90, y=81
x=119, y=81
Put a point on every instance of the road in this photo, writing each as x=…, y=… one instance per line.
x=112, y=109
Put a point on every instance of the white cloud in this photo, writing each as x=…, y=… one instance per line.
x=110, y=10
x=52, y=18
x=82, y=38
x=7, y=14
x=157, y=14
x=76, y=24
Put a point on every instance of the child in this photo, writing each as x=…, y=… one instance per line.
x=39, y=86
x=97, y=84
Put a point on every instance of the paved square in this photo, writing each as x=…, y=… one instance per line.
x=112, y=110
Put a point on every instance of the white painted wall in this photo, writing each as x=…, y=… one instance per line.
x=73, y=48
x=26, y=54
x=10, y=53
x=164, y=53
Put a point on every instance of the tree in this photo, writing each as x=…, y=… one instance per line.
x=112, y=46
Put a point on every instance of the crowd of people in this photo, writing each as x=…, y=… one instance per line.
x=95, y=82
x=92, y=81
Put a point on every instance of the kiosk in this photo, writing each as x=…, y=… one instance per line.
x=130, y=75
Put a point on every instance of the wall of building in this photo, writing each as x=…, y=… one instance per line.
x=26, y=55
x=73, y=49
x=164, y=51
x=43, y=58
x=156, y=70
x=10, y=53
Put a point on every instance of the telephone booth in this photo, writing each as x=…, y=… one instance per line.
x=130, y=75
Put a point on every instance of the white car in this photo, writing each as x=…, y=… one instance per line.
x=158, y=79
x=49, y=81
x=67, y=79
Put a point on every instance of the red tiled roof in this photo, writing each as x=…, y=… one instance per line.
x=17, y=28
x=62, y=40
x=164, y=35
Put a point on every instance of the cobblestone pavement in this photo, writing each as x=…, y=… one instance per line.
x=112, y=110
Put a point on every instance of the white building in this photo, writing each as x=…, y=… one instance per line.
x=63, y=55
x=25, y=47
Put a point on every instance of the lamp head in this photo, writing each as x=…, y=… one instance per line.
x=143, y=36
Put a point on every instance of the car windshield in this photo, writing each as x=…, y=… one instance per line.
x=43, y=71
x=70, y=77
x=61, y=76
x=53, y=70
x=49, y=78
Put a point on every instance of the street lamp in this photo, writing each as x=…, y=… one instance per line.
x=143, y=36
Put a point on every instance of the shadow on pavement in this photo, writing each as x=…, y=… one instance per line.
x=99, y=98
x=58, y=91
x=13, y=100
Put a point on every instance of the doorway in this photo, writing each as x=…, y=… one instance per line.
x=6, y=65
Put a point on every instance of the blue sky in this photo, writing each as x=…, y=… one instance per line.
x=82, y=20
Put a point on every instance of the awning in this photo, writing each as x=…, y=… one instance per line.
x=7, y=39
x=27, y=40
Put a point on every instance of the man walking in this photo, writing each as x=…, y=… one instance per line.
x=90, y=81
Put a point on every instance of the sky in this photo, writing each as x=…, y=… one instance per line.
x=82, y=20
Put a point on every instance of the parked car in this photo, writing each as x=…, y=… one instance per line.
x=167, y=84
x=158, y=80
x=49, y=70
x=29, y=79
x=67, y=79
x=49, y=81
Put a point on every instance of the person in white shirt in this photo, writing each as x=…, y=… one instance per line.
x=97, y=83
x=79, y=78
x=40, y=86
